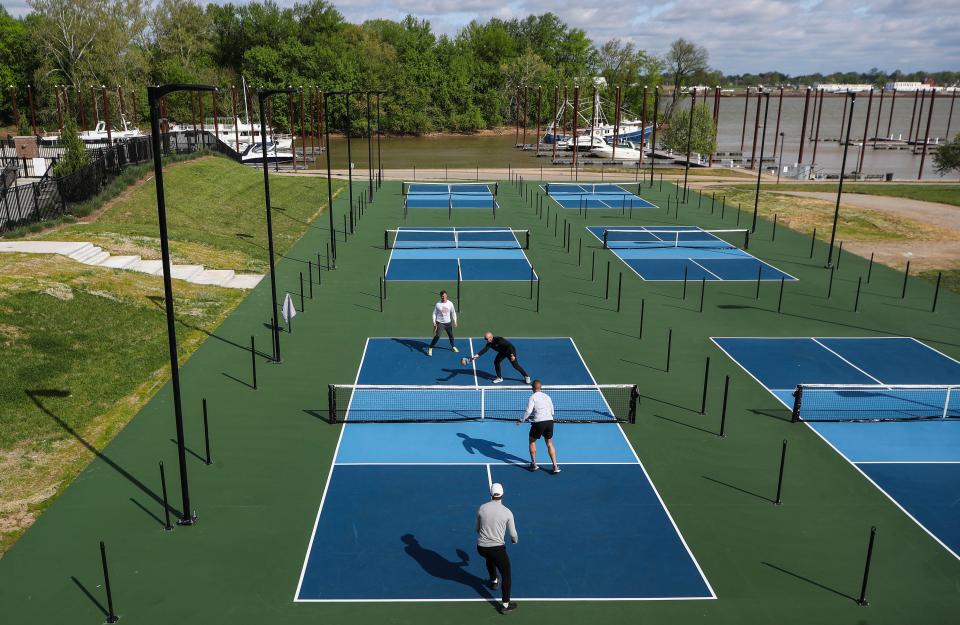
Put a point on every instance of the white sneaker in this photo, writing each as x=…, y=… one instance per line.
x=532, y=467
x=497, y=380
x=556, y=469
x=429, y=351
x=527, y=379
x=454, y=348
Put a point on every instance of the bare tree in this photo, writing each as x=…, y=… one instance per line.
x=684, y=59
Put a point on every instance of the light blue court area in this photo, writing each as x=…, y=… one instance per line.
x=658, y=253
x=581, y=196
x=396, y=519
x=916, y=463
x=449, y=196
x=464, y=254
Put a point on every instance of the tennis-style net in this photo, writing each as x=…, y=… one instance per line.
x=491, y=239
x=363, y=403
x=630, y=238
x=444, y=188
x=600, y=188
x=875, y=402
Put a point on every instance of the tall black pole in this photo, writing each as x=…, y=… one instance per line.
x=369, y=152
x=349, y=158
x=763, y=141
x=843, y=169
x=153, y=95
x=686, y=168
x=326, y=132
x=262, y=95
x=379, y=153
x=653, y=148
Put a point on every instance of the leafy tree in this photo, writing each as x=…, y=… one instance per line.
x=703, y=138
x=947, y=157
x=684, y=59
x=75, y=156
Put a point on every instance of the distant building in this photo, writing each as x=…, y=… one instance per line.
x=831, y=87
x=927, y=85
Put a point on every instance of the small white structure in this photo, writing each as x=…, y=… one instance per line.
x=831, y=87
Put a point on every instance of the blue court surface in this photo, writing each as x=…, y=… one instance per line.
x=396, y=519
x=915, y=463
x=455, y=195
x=452, y=254
x=660, y=253
x=603, y=195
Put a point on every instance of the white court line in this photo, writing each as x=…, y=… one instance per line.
x=908, y=461
x=875, y=379
x=713, y=595
x=705, y=269
x=468, y=464
x=831, y=445
x=517, y=598
x=326, y=486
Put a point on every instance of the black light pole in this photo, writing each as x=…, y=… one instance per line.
x=326, y=132
x=686, y=169
x=369, y=152
x=349, y=160
x=843, y=168
x=780, y=166
x=379, y=154
x=653, y=147
x=153, y=96
x=763, y=140
x=262, y=95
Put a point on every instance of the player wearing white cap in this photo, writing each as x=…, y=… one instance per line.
x=540, y=413
x=494, y=520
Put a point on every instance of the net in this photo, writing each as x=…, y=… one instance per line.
x=603, y=403
x=493, y=239
x=443, y=188
x=653, y=238
x=875, y=402
x=603, y=188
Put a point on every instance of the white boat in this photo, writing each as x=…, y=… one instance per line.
x=585, y=143
x=276, y=152
x=98, y=136
x=597, y=125
x=626, y=151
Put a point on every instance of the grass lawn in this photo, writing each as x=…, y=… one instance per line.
x=84, y=348
x=942, y=193
x=215, y=215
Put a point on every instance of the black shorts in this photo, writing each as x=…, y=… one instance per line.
x=541, y=428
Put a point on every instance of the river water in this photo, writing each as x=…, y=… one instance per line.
x=470, y=151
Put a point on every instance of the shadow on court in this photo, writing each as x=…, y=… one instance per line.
x=489, y=449
x=438, y=566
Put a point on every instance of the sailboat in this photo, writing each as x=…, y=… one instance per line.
x=596, y=127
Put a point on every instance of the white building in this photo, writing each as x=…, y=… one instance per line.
x=910, y=86
x=842, y=88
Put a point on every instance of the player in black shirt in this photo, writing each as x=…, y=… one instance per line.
x=504, y=349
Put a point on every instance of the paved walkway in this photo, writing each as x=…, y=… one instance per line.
x=90, y=254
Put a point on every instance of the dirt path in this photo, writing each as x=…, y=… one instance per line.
x=943, y=215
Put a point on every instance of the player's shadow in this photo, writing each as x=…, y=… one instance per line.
x=490, y=449
x=453, y=373
x=438, y=566
x=414, y=345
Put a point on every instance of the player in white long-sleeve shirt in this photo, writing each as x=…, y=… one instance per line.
x=445, y=318
x=540, y=413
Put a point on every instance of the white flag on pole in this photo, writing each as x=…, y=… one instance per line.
x=289, y=310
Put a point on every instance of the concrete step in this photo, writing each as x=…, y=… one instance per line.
x=84, y=256
x=215, y=277
x=120, y=262
x=97, y=258
x=244, y=281
x=185, y=272
x=152, y=267
x=80, y=251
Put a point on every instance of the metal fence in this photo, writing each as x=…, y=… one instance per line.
x=22, y=204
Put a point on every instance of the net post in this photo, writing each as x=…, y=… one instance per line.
x=253, y=361
x=759, y=274
x=380, y=280
x=166, y=507
x=870, y=267
x=593, y=266
x=669, y=346
x=862, y=601
x=531, y=282
x=301, y=291
x=813, y=240
x=703, y=289
x=526, y=242
x=685, y=282
x=746, y=240
x=780, y=298
x=606, y=240
x=830, y=284
x=706, y=379
x=450, y=207
x=906, y=274
x=773, y=234
x=580, y=253
x=936, y=292
x=619, y=289
x=385, y=246
x=856, y=301
x=569, y=236
x=634, y=401
x=206, y=434
x=723, y=411
x=539, y=284
x=111, y=615
x=385, y=282
x=713, y=201
x=606, y=291
x=797, y=403
x=310, y=276
x=783, y=459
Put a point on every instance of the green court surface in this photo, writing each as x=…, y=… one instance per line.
x=799, y=562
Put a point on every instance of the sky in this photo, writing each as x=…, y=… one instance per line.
x=741, y=36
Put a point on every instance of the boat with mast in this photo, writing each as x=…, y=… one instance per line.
x=596, y=131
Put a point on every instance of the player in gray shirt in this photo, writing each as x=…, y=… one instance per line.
x=494, y=521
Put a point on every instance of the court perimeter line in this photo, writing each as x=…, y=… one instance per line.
x=705, y=269
x=326, y=486
x=875, y=379
x=653, y=487
x=517, y=598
